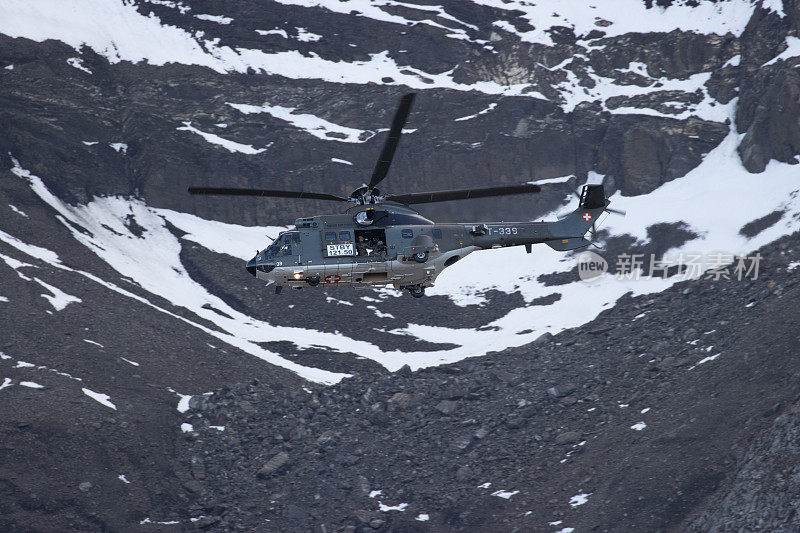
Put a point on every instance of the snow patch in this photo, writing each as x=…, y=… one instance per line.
x=792, y=50
x=6, y=383
x=306, y=36
x=505, y=494
x=119, y=147
x=314, y=125
x=331, y=299
x=93, y=342
x=342, y=161
x=231, y=146
x=169, y=3
x=733, y=62
x=78, y=64
x=183, y=403
x=483, y=112
x=16, y=265
x=547, y=181
x=386, y=508
x=122, y=478
x=31, y=384
x=776, y=6
x=276, y=31
x=638, y=426
x=706, y=360
x=134, y=363
x=59, y=299
x=17, y=211
x=579, y=499
x=98, y=397
x=219, y=19
x=186, y=428
x=422, y=517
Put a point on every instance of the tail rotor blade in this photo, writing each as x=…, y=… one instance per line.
x=616, y=211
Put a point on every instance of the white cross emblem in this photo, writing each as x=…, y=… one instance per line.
x=587, y=217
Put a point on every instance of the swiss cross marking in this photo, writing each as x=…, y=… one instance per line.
x=587, y=217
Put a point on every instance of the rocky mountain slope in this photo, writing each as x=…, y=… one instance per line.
x=121, y=296
x=639, y=420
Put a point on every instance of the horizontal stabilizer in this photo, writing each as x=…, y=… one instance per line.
x=562, y=245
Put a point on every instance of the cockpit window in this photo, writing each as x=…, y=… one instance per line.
x=282, y=245
x=287, y=241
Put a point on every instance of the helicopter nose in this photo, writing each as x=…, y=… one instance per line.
x=251, y=266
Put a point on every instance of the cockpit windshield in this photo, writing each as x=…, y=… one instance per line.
x=285, y=244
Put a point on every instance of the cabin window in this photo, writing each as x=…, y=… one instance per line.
x=407, y=233
x=344, y=236
x=437, y=233
x=330, y=236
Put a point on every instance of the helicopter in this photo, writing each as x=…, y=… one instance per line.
x=381, y=241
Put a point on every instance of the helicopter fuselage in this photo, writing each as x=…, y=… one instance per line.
x=391, y=245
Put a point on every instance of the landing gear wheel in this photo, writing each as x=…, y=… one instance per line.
x=417, y=291
x=313, y=281
x=420, y=257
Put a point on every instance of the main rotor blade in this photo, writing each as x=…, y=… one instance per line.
x=387, y=154
x=463, y=194
x=228, y=191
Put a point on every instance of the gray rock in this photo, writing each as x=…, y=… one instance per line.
x=559, y=391
x=401, y=399
x=85, y=486
x=462, y=443
x=464, y=473
x=198, y=468
x=275, y=465
x=568, y=437
x=447, y=407
x=295, y=512
x=362, y=516
x=362, y=484
x=515, y=422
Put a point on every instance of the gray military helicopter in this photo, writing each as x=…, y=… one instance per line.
x=381, y=241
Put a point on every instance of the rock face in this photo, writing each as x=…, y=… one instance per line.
x=769, y=101
x=574, y=429
x=762, y=495
x=122, y=128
